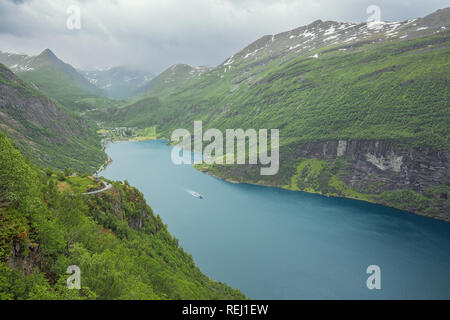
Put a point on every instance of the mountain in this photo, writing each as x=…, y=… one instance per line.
x=172, y=78
x=119, y=82
x=323, y=37
x=362, y=109
x=121, y=246
x=43, y=130
x=56, y=79
x=20, y=64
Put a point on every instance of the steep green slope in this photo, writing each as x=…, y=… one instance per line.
x=57, y=79
x=123, y=250
x=134, y=115
x=372, y=104
x=43, y=130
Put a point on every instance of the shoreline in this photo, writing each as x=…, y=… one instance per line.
x=104, y=166
x=316, y=193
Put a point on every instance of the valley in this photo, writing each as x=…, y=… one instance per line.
x=362, y=111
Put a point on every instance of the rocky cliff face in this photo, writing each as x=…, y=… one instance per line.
x=411, y=179
x=393, y=166
x=17, y=101
x=116, y=202
x=24, y=258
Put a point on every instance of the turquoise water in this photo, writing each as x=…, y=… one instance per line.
x=278, y=244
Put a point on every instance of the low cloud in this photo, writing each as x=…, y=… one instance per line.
x=155, y=34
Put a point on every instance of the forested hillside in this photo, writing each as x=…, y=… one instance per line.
x=123, y=249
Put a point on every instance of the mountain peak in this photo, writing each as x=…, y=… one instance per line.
x=48, y=54
x=180, y=66
x=316, y=22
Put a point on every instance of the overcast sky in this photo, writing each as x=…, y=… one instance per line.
x=155, y=34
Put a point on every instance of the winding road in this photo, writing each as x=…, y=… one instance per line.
x=106, y=188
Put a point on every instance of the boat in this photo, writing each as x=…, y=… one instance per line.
x=196, y=194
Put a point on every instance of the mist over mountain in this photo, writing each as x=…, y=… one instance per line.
x=119, y=82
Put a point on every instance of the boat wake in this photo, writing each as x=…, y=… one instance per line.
x=194, y=194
